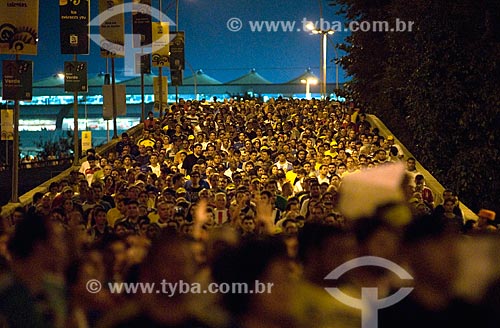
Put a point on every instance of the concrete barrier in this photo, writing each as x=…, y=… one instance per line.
x=430, y=180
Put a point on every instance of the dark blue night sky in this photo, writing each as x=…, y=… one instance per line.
x=278, y=56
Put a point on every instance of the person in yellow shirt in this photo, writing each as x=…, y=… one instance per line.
x=118, y=212
x=293, y=173
x=146, y=140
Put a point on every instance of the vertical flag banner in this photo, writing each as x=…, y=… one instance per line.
x=74, y=18
x=112, y=28
x=86, y=140
x=160, y=44
x=176, y=76
x=17, y=79
x=18, y=27
x=141, y=23
x=177, y=52
x=75, y=76
x=142, y=64
x=156, y=92
x=7, y=124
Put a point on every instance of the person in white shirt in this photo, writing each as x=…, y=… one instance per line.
x=85, y=165
x=323, y=174
x=282, y=162
x=154, y=165
x=233, y=167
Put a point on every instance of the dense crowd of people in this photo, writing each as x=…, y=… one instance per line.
x=236, y=192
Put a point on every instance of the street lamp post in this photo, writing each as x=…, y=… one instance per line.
x=336, y=61
x=324, y=36
x=308, y=82
x=336, y=71
x=177, y=30
x=323, y=64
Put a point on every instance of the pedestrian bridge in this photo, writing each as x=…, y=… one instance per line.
x=431, y=181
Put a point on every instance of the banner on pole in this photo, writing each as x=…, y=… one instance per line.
x=74, y=18
x=142, y=64
x=7, y=124
x=156, y=91
x=86, y=140
x=176, y=76
x=156, y=88
x=177, y=52
x=75, y=76
x=112, y=28
x=159, y=45
x=141, y=23
x=17, y=79
x=19, y=27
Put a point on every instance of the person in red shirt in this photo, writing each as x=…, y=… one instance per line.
x=150, y=122
x=427, y=195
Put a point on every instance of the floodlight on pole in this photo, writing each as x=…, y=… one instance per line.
x=324, y=34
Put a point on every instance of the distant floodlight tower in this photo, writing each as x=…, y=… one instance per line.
x=324, y=33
